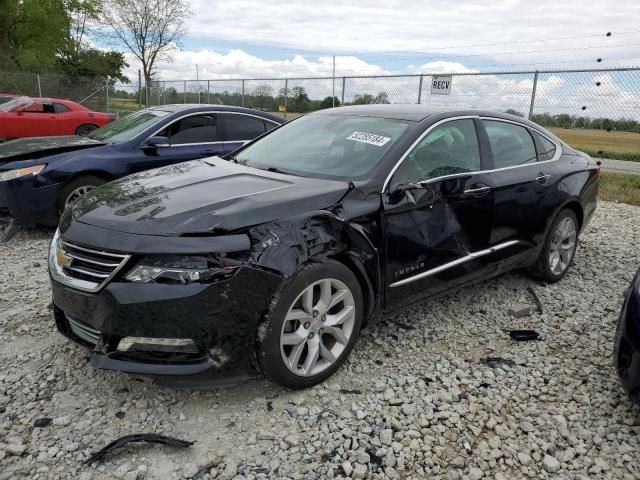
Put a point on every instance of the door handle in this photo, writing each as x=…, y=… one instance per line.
x=542, y=177
x=478, y=190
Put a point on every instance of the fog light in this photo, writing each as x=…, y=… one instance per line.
x=181, y=345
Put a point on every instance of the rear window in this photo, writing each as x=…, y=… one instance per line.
x=547, y=149
x=242, y=127
x=511, y=144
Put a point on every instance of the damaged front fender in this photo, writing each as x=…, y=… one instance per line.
x=285, y=245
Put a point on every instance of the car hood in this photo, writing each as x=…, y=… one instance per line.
x=203, y=197
x=38, y=147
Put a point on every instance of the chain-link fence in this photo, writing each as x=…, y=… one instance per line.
x=597, y=111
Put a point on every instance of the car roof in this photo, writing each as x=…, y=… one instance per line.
x=196, y=107
x=412, y=112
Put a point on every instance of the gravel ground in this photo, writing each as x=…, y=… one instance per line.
x=416, y=391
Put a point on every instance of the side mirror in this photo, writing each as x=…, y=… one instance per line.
x=158, y=142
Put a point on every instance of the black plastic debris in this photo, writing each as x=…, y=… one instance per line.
x=354, y=391
x=376, y=460
x=536, y=299
x=404, y=326
x=269, y=406
x=524, y=335
x=495, y=362
x=41, y=422
x=120, y=414
x=139, y=437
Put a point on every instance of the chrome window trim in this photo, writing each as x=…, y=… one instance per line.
x=213, y=112
x=556, y=156
x=86, y=286
x=454, y=263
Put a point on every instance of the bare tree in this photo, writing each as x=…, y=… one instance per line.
x=150, y=29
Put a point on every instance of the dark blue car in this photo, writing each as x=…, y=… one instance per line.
x=41, y=177
x=627, y=342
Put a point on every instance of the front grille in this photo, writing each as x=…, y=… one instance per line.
x=85, y=268
x=84, y=331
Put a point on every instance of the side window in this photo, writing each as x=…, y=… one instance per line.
x=36, y=108
x=511, y=144
x=448, y=149
x=242, y=127
x=193, y=129
x=60, y=108
x=548, y=148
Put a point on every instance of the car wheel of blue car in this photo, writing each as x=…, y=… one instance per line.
x=311, y=326
x=73, y=190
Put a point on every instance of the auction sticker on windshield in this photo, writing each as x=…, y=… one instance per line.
x=370, y=138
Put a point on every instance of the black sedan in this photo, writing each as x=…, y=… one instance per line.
x=627, y=343
x=273, y=258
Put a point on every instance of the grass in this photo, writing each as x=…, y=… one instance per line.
x=602, y=144
x=621, y=187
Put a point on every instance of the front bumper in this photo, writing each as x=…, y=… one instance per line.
x=29, y=203
x=627, y=342
x=221, y=318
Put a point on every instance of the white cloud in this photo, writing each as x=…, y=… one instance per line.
x=340, y=26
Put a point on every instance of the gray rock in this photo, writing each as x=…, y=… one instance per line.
x=550, y=464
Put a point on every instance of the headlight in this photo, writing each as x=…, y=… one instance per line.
x=179, y=269
x=21, y=172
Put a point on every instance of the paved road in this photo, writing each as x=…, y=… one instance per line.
x=620, y=166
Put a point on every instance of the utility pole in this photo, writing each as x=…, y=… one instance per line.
x=333, y=81
x=140, y=88
x=198, y=81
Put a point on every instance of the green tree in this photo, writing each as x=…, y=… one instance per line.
x=32, y=33
x=329, y=102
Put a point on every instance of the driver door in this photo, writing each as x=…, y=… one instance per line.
x=437, y=230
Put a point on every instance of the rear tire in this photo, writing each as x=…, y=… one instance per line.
x=559, y=248
x=73, y=190
x=301, y=342
x=86, y=129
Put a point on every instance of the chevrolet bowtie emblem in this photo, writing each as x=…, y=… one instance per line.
x=62, y=258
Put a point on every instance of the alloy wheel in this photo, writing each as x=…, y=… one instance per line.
x=562, y=246
x=76, y=194
x=317, y=327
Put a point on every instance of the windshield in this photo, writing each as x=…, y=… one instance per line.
x=325, y=145
x=15, y=103
x=126, y=128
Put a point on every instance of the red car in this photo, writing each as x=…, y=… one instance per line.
x=43, y=117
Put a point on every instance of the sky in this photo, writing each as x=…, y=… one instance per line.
x=254, y=38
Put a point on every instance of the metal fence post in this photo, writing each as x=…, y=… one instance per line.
x=420, y=90
x=139, y=88
x=107, y=93
x=208, y=99
x=185, y=91
x=533, y=93
x=286, y=94
x=164, y=93
x=159, y=91
x=243, y=92
x=343, y=83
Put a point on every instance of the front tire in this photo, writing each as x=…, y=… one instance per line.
x=86, y=129
x=559, y=248
x=72, y=192
x=312, y=326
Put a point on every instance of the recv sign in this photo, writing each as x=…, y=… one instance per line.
x=441, y=85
